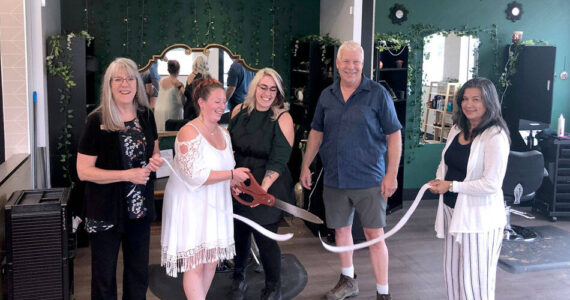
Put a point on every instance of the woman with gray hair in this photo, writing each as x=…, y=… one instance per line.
x=262, y=138
x=471, y=213
x=117, y=153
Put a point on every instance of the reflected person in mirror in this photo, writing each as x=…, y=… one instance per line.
x=199, y=70
x=471, y=212
x=262, y=136
x=151, y=78
x=169, y=102
x=354, y=124
x=197, y=225
x=117, y=157
x=239, y=79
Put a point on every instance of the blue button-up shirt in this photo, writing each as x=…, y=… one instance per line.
x=354, y=134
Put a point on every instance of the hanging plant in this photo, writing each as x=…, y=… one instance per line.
x=59, y=65
x=324, y=42
x=510, y=66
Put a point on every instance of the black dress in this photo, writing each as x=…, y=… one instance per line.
x=259, y=145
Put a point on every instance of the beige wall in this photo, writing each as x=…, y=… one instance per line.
x=14, y=86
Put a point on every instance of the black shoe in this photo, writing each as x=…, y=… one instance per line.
x=383, y=296
x=239, y=287
x=271, y=294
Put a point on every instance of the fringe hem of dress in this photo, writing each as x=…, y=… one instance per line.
x=184, y=261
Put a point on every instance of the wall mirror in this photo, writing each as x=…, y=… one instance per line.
x=449, y=60
x=219, y=59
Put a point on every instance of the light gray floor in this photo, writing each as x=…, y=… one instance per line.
x=415, y=263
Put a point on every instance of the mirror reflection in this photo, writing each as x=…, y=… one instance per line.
x=449, y=61
x=169, y=77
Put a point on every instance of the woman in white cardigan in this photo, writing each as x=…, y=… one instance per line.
x=471, y=214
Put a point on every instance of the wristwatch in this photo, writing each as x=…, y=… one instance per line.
x=451, y=187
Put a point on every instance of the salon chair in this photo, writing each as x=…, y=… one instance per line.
x=525, y=171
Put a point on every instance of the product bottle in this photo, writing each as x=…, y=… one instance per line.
x=561, y=121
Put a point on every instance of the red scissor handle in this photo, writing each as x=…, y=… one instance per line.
x=259, y=195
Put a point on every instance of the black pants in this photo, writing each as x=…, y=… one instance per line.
x=104, y=253
x=269, y=252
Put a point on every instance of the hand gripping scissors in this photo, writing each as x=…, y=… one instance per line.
x=252, y=190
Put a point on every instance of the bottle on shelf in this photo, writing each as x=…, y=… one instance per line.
x=561, y=121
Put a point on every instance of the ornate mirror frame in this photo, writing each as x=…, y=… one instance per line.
x=205, y=50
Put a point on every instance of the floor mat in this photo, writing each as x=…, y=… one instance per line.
x=551, y=250
x=293, y=281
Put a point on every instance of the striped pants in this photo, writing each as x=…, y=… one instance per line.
x=470, y=266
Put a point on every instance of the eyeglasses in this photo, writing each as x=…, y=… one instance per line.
x=120, y=80
x=265, y=88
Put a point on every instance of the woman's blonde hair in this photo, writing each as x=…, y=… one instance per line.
x=200, y=65
x=279, y=102
x=110, y=115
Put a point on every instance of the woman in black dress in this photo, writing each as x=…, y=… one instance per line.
x=262, y=137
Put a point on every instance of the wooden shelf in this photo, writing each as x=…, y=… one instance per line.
x=442, y=115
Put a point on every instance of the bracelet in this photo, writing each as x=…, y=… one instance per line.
x=451, y=187
x=232, y=173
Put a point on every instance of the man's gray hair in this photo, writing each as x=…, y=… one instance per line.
x=350, y=45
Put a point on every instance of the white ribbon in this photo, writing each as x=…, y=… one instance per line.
x=252, y=224
x=399, y=225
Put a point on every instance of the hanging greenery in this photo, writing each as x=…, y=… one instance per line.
x=510, y=66
x=59, y=65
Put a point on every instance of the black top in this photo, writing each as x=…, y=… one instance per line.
x=106, y=202
x=456, y=158
x=190, y=112
x=259, y=145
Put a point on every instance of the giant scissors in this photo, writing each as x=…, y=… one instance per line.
x=252, y=191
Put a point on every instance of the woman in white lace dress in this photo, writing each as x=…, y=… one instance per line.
x=197, y=223
x=169, y=101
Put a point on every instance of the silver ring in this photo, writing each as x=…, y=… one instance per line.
x=147, y=178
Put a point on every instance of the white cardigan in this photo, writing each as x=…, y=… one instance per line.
x=480, y=205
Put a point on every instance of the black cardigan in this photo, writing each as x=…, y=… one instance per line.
x=106, y=202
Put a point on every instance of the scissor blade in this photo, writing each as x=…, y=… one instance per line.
x=297, y=212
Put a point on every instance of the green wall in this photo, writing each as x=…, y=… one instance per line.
x=260, y=31
x=541, y=20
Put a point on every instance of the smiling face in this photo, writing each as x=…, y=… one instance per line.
x=472, y=106
x=214, y=106
x=123, y=87
x=265, y=93
x=349, y=63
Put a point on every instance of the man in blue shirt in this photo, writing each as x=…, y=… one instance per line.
x=355, y=123
x=238, y=84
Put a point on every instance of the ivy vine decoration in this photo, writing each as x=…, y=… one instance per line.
x=324, y=41
x=59, y=65
x=505, y=80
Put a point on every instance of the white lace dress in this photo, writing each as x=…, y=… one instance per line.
x=168, y=106
x=197, y=222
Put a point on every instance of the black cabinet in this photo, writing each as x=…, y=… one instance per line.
x=313, y=68
x=553, y=197
x=391, y=70
x=527, y=103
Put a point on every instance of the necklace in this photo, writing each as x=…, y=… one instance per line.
x=212, y=132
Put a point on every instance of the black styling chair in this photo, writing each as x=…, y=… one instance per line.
x=525, y=171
